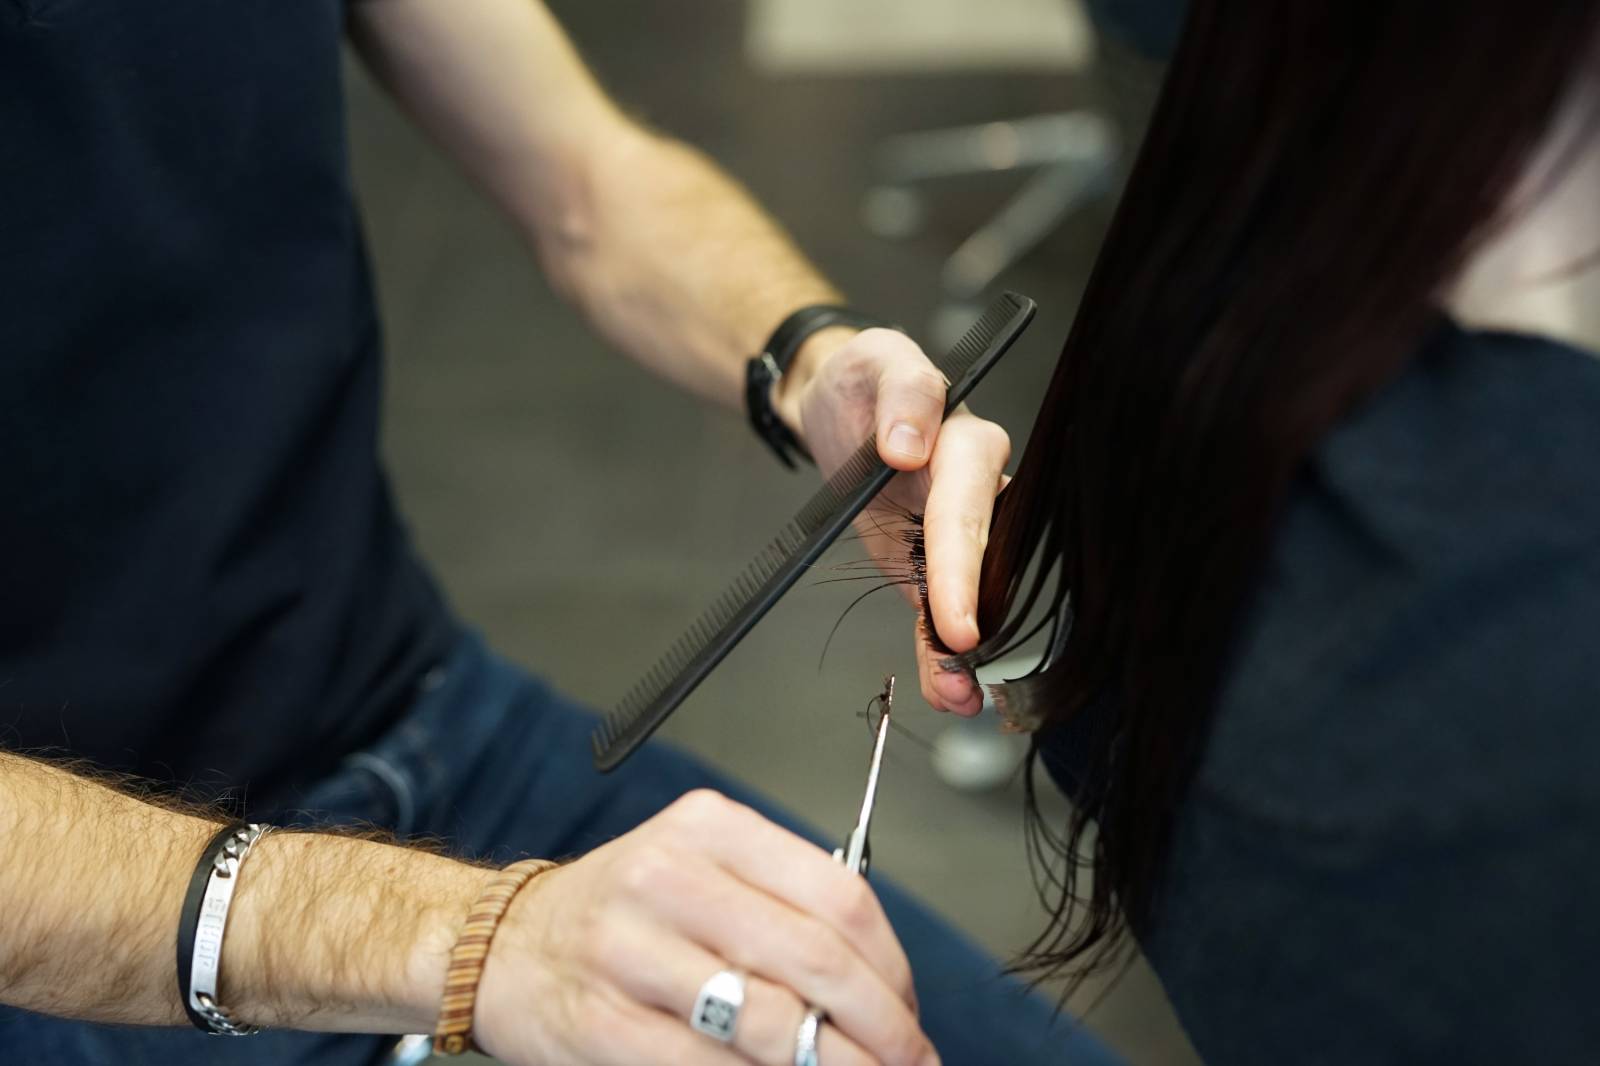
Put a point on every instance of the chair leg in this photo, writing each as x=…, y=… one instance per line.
x=994, y=146
x=1029, y=217
x=1074, y=152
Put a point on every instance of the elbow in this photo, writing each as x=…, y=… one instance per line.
x=590, y=199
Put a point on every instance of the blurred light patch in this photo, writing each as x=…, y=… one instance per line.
x=844, y=37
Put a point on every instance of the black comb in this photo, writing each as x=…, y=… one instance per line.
x=795, y=548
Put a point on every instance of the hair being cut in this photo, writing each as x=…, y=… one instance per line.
x=1314, y=176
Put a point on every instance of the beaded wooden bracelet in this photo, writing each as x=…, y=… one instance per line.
x=453, y=1033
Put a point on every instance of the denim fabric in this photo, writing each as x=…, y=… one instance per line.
x=498, y=764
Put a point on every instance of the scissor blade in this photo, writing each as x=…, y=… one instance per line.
x=873, y=770
x=854, y=853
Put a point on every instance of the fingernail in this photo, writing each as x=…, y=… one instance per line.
x=907, y=440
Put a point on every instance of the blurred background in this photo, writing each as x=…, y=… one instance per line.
x=581, y=514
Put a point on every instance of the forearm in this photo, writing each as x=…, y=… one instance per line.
x=90, y=886
x=676, y=265
x=667, y=256
x=338, y=934
x=324, y=932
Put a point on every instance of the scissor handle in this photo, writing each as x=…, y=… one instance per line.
x=863, y=858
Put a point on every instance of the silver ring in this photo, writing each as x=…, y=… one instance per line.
x=805, y=1040
x=716, y=1009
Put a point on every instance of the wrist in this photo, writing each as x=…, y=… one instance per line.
x=437, y=926
x=808, y=359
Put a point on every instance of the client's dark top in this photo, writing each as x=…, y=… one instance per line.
x=202, y=578
x=1391, y=853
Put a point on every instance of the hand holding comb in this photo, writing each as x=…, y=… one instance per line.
x=799, y=544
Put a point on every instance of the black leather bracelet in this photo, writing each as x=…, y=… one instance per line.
x=767, y=369
x=222, y=856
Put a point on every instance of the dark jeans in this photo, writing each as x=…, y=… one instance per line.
x=495, y=762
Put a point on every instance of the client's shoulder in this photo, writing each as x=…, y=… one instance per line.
x=1423, y=647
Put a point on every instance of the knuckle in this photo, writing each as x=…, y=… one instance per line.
x=699, y=809
x=644, y=871
x=877, y=344
x=905, y=1042
x=858, y=910
x=981, y=438
x=995, y=438
x=880, y=336
x=974, y=526
x=766, y=1022
x=923, y=383
x=822, y=957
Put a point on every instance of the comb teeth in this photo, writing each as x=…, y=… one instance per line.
x=978, y=339
x=797, y=546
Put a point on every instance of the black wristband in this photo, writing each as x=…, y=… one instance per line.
x=189, y=920
x=765, y=370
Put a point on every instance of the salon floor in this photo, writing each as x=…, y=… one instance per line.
x=581, y=514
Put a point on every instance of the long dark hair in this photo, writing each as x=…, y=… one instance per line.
x=1313, y=177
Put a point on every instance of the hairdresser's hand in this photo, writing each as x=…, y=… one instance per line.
x=600, y=961
x=845, y=387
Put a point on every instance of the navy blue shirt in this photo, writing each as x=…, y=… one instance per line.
x=202, y=578
x=1389, y=854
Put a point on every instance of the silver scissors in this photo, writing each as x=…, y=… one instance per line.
x=856, y=855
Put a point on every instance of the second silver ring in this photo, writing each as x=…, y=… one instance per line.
x=805, y=1038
